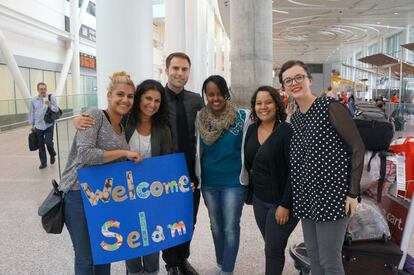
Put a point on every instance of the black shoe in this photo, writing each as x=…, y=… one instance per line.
x=187, y=269
x=52, y=159
x=173, y=270
x=42, y=166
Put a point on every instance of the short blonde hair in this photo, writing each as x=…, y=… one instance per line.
x=120, y=77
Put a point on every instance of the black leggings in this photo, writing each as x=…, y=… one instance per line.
x=274, y=235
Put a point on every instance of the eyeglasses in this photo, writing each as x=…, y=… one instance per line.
x=298, y=78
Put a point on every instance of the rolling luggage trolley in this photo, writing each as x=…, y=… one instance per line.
x=373, y=257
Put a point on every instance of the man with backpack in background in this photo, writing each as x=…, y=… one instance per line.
x=38, y=107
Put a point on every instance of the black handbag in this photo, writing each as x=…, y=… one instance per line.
x=33, y=141
x=51, y=116
x=51, y=211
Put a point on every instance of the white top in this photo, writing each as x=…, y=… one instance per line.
x=141, y=144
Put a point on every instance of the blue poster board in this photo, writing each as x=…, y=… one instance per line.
x=134, y=209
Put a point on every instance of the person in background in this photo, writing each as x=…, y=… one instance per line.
x=104, y=142
x=330, y=93
x=267, y=147
x=394, y=99
x=221, y=127
x=37, y=108
x=351, y=104
x=326, y=162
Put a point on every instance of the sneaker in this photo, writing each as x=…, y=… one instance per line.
x=52, y=159
x=42, y=166
x=173, y=271
x=187, y=269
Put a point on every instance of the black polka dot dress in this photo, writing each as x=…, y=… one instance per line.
x=320, y=165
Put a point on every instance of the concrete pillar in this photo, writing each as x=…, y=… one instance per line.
x=227, y=63
x=202, y=45
x=74, y=30
x=175, y=16
x=60, y=87
x=123, y=41
x=219, y=52
x=191, y=41
x=211, y=40
x=251, y=47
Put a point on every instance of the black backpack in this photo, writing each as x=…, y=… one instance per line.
x=373, y=126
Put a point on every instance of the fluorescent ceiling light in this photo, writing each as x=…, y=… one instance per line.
x=279, y=11
x=305, y=4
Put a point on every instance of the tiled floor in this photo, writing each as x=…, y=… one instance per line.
x=26, y=249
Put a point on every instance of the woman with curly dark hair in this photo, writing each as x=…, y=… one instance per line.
x=147, y=131
x=267, y=146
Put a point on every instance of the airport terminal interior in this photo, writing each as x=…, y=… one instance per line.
x=362, y=49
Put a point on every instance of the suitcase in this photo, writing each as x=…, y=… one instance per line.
x=362, y=258
x=371, y=258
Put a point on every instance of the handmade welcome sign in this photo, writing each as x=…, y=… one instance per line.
x=136, y=209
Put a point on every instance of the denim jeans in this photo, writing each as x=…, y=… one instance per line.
x=225, y=206
x=275, y=236
x=45, y=137
x=75, y=221
x=148, y=264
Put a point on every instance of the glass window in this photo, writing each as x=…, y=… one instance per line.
x=358, y=64
x=36, y=76
x=6, y=83
x=26, y=76
x=50, y=80
x=69, y=90
x=373, y=49
x=91, y=9
x=411, y=34
x=392, y=45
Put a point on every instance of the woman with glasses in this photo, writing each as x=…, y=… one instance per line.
x=326, y=162
x=267, y=146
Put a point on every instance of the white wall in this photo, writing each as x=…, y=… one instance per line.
x=51, y=12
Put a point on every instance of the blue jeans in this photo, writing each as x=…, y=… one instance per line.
x=148, y=264
x=225, y=206
x=75, y=221
x=45, y=137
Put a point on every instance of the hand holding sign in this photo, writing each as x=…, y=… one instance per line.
x=136, y=209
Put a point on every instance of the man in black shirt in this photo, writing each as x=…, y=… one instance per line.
x=183, y=106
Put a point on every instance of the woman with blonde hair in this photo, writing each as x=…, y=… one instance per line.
x=147, y=131
x=104, y=142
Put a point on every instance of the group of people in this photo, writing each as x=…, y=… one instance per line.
x=308, y=169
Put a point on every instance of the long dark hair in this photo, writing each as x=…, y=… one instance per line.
x=221, y=84
x=159, y=118
x=280, y=107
